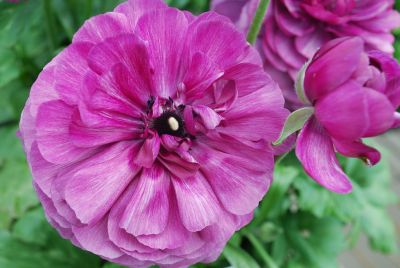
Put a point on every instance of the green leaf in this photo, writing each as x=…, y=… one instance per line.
x=275, y=203
x=295, y=122
x=51, y=250
x=113, y=265
x=315, y=242
x=16, y=191
x=239, y=258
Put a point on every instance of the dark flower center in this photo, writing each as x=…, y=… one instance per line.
x=169, y=123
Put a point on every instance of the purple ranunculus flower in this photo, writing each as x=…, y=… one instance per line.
x=149, y=137
x=295, y=29
x=355, y=95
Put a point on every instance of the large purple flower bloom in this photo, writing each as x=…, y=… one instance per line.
x=295, y=29
x=355, y=95
x=149, y=137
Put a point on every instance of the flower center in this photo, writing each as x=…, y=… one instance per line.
x=169, y=123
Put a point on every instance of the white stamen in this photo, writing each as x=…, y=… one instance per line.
x=173, y=123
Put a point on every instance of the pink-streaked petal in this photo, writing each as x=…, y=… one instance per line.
x=119, y=236
x=316, y=153
x=238, y=182
x=201, y=74
x=43, y=89
x=95, y=239
x=85, y=136
x=148, y=152
x=174, y=236
x=70, y=70
x=147, y=211
x=255, y=116
x=94, y=186
x=198, y=205
x=53, y=133
x=209, y=118
x=164, y=30
x=134, y=9
x=227, y=45
x=43, y=171
x=357, y=149
x=101, y=27
x=132, y=53
x=178, y=166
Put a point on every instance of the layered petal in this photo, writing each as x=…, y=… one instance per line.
x=147, y=211
x=316, y=153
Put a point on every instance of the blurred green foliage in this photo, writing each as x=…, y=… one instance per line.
x=298, y=224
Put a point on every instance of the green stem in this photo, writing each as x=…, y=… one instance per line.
x=261, y=251
x=281, y=157
x=257, y=21
x=50, y=23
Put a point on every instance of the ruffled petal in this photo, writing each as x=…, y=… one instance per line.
x=134, y=9
x=101, y=27
x=357, y=149
x=227, y=45
x=53, y=134
x=238, y=182
x=94, y=185
x=164, y=30
x=316, y=153
x=174, y=236
x=148, y=152
x=147, y=211
x=70, y=71
x=95, y=239
x=198, y=205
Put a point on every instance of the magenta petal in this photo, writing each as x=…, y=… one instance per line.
x=380, y=112
x=238, y=182
x=174, y=236
x=94, y=238
x=198, y=205
x=357, y=149
x=227, y=45
x=133, y=10
x=255, y=116
x=43, y=171
x=209, y=117
x=93, y=187
x=333, y=68
x=164, y=30
x=118, y=235
x=148, y=152
x=344, y=113
x=316, y=153
x=86, y=136
x=201, y=74
x=70, y=71
x=101, y=27
x=358, y=112
x=147, y=211
x=43, y=89
x=53, y=133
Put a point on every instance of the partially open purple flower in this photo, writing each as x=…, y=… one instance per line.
x=149, y=137
x=295, y=29
x=355, y=95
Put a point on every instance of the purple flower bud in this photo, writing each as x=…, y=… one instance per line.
x=355, y=95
